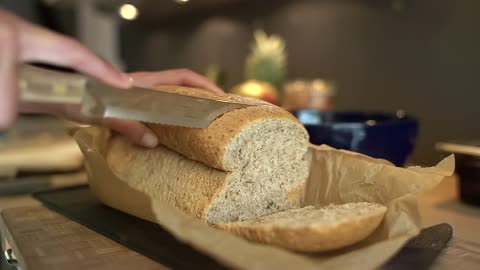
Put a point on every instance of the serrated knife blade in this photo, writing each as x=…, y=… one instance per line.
x=98, y=100
x=153, y=106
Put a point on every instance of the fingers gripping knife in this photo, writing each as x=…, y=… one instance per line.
x=98, y=100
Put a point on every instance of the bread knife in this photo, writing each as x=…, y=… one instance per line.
x=98, y=100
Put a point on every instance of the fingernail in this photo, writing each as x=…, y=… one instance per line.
x=149, y=140
x=127, y=78
x=220, y=90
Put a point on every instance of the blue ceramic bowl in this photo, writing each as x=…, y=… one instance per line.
x=379, y=135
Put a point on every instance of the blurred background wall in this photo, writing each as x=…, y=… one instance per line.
x=421, y=56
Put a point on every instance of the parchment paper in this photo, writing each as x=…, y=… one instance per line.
x=335, y=177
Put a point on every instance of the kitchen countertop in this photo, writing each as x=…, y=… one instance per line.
x=442, y=205
x=439, y=205
x=17, y=199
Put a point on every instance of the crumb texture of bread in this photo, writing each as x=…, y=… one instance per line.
x=249, y=162
x=312, y=230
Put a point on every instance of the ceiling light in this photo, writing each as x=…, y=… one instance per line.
x=182, y=1
x=128, y=12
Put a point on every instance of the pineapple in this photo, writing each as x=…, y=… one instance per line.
x=267, y=61
x=265, y=69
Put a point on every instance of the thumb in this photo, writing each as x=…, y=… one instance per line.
x=135, y=131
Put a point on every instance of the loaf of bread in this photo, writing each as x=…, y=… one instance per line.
x=249, y=162
x=245, y=174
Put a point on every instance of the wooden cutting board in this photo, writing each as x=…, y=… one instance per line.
x=49, y=241
x=48, y=154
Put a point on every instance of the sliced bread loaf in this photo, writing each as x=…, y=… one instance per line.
x=312, y=230
x=248, y=163
x=244, y=174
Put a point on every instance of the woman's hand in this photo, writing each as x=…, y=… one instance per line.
x=21, y=41
x=183, y=77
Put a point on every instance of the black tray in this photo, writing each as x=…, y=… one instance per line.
x=79, y=204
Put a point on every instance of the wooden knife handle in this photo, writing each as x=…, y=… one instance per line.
x=42, y=85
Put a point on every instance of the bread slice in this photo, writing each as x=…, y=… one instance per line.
x=249, y=162
x=312, y=230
